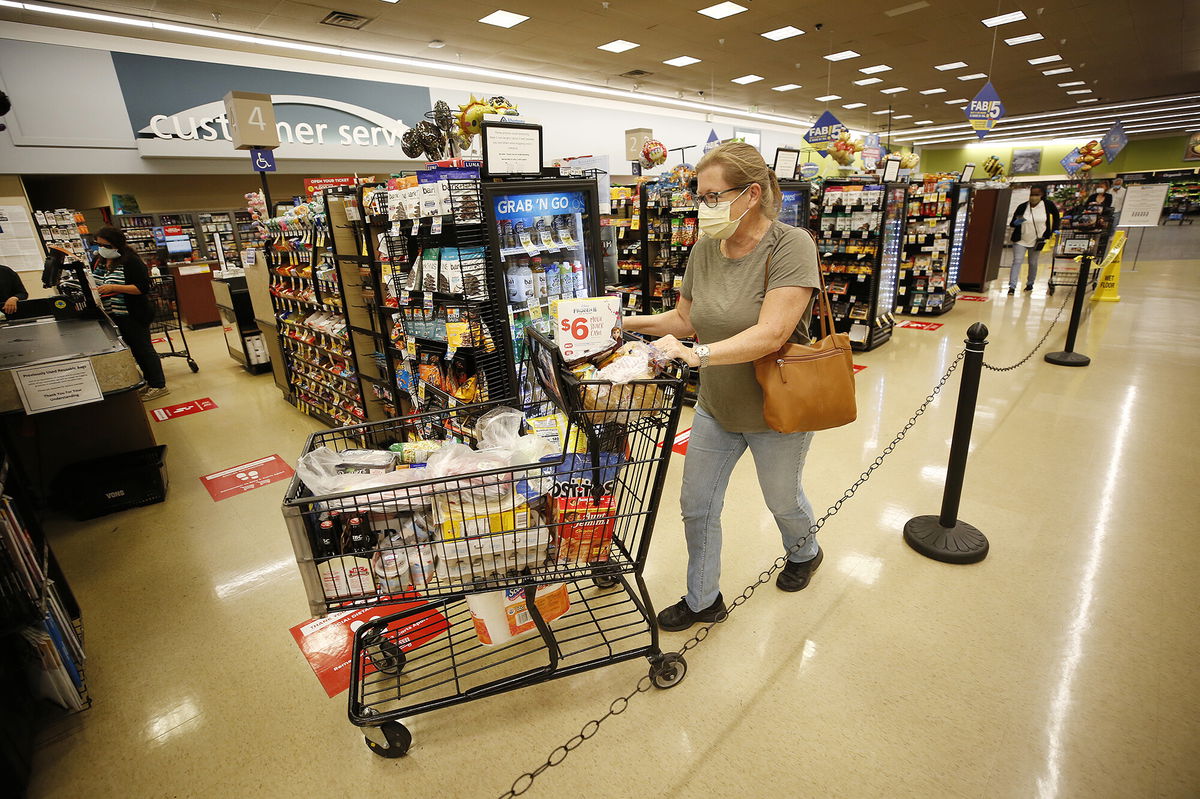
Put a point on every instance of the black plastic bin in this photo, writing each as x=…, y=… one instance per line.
x=113, y=483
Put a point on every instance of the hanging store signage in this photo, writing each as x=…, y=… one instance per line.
x=1070, y=162
x=315, y=116
x=810, y=170
x=872, y=152
x=262, y=161
x=824, y=132
x=523, y=206
x=1114, y=142
x=711, y=142
x=985, y=110
x=314, y=186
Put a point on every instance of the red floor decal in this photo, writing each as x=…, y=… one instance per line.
x=922, y=325
x=968, y=298
x=681, y=442
x=246, y=477
x=158, y=340
x=183, y=409
x=858, y=368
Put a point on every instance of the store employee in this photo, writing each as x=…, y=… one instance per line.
x=12, y=290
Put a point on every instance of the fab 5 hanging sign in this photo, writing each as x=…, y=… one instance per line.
x=985, y=110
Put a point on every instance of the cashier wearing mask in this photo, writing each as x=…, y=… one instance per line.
x=738, y=310
x=124, y=283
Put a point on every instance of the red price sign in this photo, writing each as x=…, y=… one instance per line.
x=586, y=327
x=577, y=328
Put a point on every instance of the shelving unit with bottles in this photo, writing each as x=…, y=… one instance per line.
x=935, y=214
x=860, y=230
x=671, y=230
x=307, y=299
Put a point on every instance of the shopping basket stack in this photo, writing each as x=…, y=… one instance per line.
x=510, y=555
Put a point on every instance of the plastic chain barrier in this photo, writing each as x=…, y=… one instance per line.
x=619, y=705
x=1042, y=341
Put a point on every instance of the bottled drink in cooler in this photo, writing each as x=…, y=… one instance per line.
x=540, y=289
x=554, y=281
x=580, y=279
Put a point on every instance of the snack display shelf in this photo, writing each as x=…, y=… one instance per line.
x=344, y=353
x=936, y=223
x=308, y=377
x=323, y=367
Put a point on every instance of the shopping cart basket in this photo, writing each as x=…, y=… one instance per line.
x=166, y=320
x=513, y=567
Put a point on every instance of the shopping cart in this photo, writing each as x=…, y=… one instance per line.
x=166, y=320
x=519, y=563
x=1073, y=241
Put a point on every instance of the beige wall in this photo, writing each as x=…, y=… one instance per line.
x=155, y=192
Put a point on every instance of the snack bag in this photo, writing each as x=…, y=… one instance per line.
x=429, y=269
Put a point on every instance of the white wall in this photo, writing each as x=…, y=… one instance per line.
x=69, y=115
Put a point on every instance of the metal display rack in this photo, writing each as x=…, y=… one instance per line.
x=933, y=243
x=553, y=537
x=860, y=229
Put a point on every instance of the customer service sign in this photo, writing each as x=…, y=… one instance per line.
x=176, y=109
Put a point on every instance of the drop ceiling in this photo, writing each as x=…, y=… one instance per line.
x=1121, y=51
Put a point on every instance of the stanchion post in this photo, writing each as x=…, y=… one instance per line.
x=1069, y=357
x=944, y=537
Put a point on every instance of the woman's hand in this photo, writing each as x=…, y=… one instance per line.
x=672, y=348
x=10, y=305
x=109, y=288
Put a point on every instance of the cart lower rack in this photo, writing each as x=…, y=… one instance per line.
x=502, y=560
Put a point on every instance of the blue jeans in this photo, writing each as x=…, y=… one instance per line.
x=1014, y=273
x=712, y=453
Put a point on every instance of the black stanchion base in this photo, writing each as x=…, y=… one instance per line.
x=1067, y=359
x=961, y=543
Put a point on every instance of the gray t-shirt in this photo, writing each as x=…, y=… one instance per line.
x=727, y=295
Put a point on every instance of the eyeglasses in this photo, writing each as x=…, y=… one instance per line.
x=713, y=198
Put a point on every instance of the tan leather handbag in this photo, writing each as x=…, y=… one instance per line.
x=809, y=386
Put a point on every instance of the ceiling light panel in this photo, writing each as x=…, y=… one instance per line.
x=853, y=105
x=1004, y=19
x=618, y=46
x=1089, y=100
x=933, y=91
x=747, y=79
x=1026, y=39
x=950, y=66
x=973, y=76
x=779, y=34
x=828, y=98
x=1072, y=83
x=682, y=61
x=841, y=55
x=894, y=90
x=787, y=87
x=956, y=102
x=884, y=111
x=923, y=122
x=503, y=19
x=1080, y=91
x=867, y=81
x=722, y=10
x=902, y=116
x=1046, y=59
x=1059, y=71
x=874, y=69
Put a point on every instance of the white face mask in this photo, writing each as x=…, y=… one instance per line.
x=1100, y=192
x=715, y=222
x=109, y=252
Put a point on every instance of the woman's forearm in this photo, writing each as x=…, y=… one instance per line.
x=746, y=347
x=670, y=323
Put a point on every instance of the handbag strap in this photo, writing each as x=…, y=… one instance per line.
x=824, y=311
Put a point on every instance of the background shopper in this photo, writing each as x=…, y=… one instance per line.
x=124, y=285
x=12, y=290
x=1117, y=192
x=724, y=304
x=1033, y=222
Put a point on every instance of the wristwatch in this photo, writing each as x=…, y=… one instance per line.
x=702, y=352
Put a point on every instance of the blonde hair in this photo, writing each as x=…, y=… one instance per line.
x=743, y=165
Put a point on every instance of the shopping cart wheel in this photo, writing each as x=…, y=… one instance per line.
x=669, y=671
x=385, y=655
x=399, y=740
x=603, y=579
x=195, y=367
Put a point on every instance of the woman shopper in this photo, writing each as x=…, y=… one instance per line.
x=124, y=283
x=1033, y=222
x=748, y=289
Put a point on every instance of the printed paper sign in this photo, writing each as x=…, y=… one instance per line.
x=59, y=385
x=824, y=131
x=985, y=110
x=970, y=298
x=183, y=409
x=328, y=643
x=922, y=325
x=246, y=477
x=1114, y=142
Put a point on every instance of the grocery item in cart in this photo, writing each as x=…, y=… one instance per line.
x=583, y=529
x=626, y=400
x=345, y=577
x=461, y=519
x=466, y=560
x=501, y=616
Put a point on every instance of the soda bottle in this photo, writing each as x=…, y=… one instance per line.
x=361, y=538
x=326, y=543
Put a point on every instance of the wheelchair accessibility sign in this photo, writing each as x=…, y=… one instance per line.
x=262, y=160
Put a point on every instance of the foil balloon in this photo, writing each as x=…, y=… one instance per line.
x=410, y=144
x=654, y=153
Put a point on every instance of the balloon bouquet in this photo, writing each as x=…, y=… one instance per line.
x=443, y=132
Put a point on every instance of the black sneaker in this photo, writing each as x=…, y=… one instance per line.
x=795, y=576
x=679, y=616
x=1029, y=287
x=1011, y=291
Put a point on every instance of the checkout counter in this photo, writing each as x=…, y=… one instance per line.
x=70, y=415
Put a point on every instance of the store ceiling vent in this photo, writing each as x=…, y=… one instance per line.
x=342, y=19
x=636, y=73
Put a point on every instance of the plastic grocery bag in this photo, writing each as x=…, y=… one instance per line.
x=460, y=461
x=321, y=472
x=500, y=430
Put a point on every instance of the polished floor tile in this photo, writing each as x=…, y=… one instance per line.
x=1062, y=666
